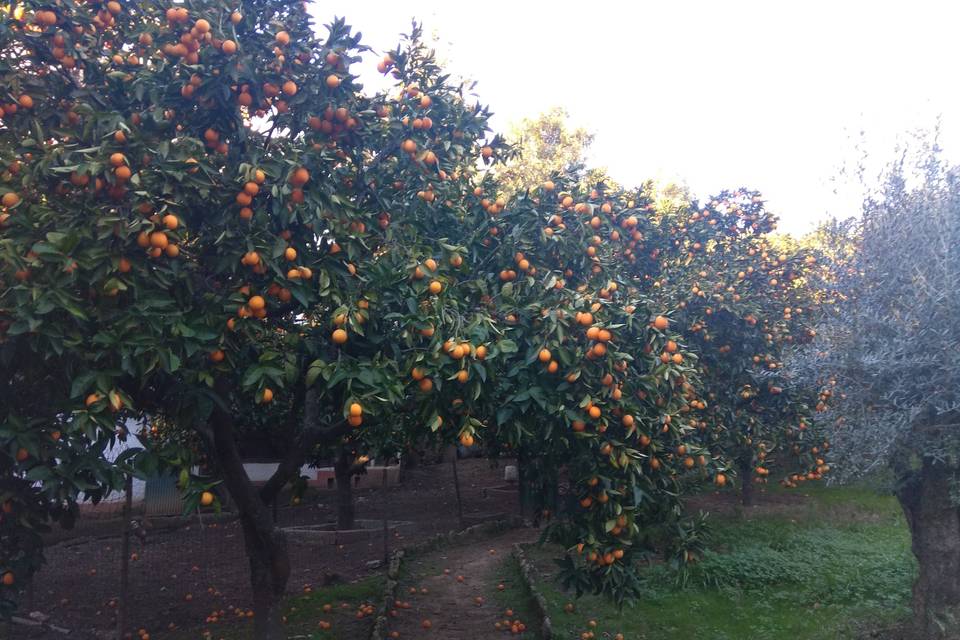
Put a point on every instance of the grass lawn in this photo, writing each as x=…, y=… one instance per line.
x=304, y=613
x=831, y=565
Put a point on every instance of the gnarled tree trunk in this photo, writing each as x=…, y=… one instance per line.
x=265, y=544
x=266, y=548
x=934, y=520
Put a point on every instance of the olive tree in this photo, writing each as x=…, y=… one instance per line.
x=891, y=349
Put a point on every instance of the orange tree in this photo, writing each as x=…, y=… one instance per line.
x=198, y=224
x=590, y=381
x=888, y=342
x=744, y=299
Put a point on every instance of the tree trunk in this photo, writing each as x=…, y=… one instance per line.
x=934, y=521
x=343, y=471
x=746, y=483
x=265, y=544
x=269, y=570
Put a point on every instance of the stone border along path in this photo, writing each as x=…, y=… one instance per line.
x=528, y=573
x=447, y=587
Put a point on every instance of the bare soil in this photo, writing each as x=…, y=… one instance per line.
x=179, y=576
x=453, y=590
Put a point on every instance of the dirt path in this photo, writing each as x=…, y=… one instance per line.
x=461, y=599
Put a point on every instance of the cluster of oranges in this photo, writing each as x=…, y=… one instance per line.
x=221, y=614
x=510, y=623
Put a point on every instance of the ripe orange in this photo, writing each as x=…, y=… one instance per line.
x=159, y=240
x=544, y=355
x=661, y=323
x=333, y=81
x=217, y=355
x=594, y=412
x=256, y=303
x=206, y=498
x=290, y=88
x=282, y=38
x=8, y=579
x=229, y=47
x=300, y=177
x=435, y=287
x=170, y=221
x=117, y=159
x=267, y=395
x=356, y=410
x=408, y=145
x=10, y=199
x=339, y=336
x=481, y=352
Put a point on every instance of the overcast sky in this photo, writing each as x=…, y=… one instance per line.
x=770, y=95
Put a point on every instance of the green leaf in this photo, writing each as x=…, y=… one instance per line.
x=507, y=346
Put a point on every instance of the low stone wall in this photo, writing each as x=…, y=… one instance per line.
x=327, y=533
x=528, y=572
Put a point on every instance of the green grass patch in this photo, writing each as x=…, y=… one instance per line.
x=516, y=597
x=304, y=613
x=827, y=566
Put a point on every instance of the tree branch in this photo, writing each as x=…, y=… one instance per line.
x=310, y=437
x=227, y=455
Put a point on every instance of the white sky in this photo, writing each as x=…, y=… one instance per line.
x=770, y=95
